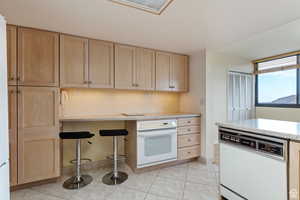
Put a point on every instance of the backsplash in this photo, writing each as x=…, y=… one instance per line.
x=76, y=102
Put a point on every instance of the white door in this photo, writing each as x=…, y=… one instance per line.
x=240, y=96
x=4, y=152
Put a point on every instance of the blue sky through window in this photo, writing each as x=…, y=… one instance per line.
x=278, y=87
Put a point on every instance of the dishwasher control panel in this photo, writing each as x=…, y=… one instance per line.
x=267, y=145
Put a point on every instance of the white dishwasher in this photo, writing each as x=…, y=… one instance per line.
x=252, y=167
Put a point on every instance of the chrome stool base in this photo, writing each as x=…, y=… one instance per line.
x=110, y=179
x=73, y=184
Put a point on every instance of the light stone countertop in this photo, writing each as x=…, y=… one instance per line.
x=275, y=128
x=123, y=117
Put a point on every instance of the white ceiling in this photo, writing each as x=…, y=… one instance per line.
x=185, y=26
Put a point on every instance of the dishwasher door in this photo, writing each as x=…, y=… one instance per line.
x=250, y=175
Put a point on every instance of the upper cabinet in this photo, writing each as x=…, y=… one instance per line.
x=101, y=64
x=11, y=54
x=134, y=68
x=179, y=73
x=145, y=69
x=38, y=57
x=163, y=71
x=73, y=61
x=125, y=63
x=171, y=72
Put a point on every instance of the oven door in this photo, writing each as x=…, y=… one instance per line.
x=156, y=147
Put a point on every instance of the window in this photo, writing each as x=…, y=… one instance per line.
x=277, y=83
x=153, y=6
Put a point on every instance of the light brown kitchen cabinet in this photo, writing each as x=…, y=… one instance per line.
x=163, y=71
x=171, y=72
x=11, y=32
x=101, y=64
x=38, y=127
x=294, y=171
x=179, y=73
x=145, y=69
x=38, y=61
x=73, y=62
x=134, y=68
x=125, y=63
x=13, y=137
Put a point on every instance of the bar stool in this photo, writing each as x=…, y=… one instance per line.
x=115, y=177
x=79, y=180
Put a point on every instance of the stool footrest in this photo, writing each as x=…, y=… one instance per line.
x=120, y=157
x=74, y=161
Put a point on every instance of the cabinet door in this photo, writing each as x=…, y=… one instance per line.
x=163, y=70
x=101, y=64
x=73, y=61
x=179, y=72
x=38, y=142
x=145, y=69
x=125, y=61
x=294, y=171
x=37, y=57
x=13, y=138
x=11, y=54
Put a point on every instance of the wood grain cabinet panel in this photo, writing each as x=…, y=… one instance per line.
x=188, y=140
x=179, y=80
x=294, y=171
x=13, y=137
x=188, y=152
x=145, y=69
x=125, y=63
x=38, y=142
x=37, y=57
x=73, y=62
x=11, y=32
x=171, y=72
x=163, y=71
x=101, y=64
x=193, y=121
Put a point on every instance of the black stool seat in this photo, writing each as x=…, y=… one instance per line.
x=76, y=135
x=116, y=132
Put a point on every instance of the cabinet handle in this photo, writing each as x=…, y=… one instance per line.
x=172, y=87
x=189, y=152
x=85, y=82
x=18, y=78
x=189, y=122
x=189, y=129
x=90, y=82
x=11, y=78
x=189, y=140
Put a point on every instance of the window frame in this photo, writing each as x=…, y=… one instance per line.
x=297, y=105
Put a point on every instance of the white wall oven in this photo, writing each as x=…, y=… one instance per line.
x=156, y=142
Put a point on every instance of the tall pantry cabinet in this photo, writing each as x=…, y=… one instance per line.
x=33, y=58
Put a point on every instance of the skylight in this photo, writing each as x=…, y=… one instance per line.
x=153, y=6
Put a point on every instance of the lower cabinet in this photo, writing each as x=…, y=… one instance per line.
x=38, y=127
x=294, y=171
x=189, y=138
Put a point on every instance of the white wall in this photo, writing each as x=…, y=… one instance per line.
x=217, y=67
x=194, y=100
x=208, y=92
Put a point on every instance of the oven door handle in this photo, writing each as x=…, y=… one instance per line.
x=156, y=133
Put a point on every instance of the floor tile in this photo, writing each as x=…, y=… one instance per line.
x=141, y=182
x=127, y=194
x=177, y=173
x=194, y=191
x=29, y=194
x=167, y=188
x=201, y=176
x=155, y=197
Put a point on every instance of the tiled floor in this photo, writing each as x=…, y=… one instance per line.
x=192, y=181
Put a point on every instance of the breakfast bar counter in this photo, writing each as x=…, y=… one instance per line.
x=127, y=117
